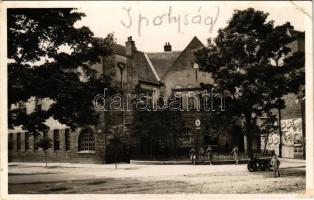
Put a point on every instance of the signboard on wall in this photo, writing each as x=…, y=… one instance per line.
x=291, y=134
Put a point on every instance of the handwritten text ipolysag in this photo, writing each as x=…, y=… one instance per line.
x=169, y=17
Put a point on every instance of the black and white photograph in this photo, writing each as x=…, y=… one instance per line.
x=156, y=98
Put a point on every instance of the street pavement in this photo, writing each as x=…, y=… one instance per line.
x=153, y=179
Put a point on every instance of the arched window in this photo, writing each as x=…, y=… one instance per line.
x=86, y=141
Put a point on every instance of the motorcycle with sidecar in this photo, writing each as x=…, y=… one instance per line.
x=259, y=164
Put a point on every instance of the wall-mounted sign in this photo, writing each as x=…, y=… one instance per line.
x=197, y=123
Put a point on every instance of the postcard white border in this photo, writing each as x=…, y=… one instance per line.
x=306, y=6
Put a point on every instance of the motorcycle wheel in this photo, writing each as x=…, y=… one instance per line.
x=251, y=166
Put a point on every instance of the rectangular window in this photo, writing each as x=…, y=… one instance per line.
x=191, y=103
x=26, y=141
x=177, y=98
x=56, y=140
x=18, y=142
x=36, y=142
x=205, y=102
x=149, y=96
x=67, y=139
x=10, y=141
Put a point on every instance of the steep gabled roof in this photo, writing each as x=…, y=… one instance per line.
x=162, y=61
x=153, y=67
x=145, y=72
x=193, y=45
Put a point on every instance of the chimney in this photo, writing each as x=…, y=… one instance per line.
x=167, y=47
x=130, y=47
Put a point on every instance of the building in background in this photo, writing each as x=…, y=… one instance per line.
x=161, y=73
x=292, y=116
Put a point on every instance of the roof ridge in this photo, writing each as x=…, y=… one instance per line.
x=179, y=51
x=193, y=39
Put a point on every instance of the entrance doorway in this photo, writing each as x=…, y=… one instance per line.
x=237, y=138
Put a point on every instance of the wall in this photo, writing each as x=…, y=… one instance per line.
x=72, y=155
x=291, y=139
x=181, y=72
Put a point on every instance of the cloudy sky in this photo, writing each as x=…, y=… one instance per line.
x=149, y=24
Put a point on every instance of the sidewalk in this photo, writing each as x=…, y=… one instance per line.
x=30, y=178
x=285, y=162
x=215, y=162
x=184, y=162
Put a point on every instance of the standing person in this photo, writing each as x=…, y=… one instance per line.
x=275, y=163
x=235, y=152
x=192, y=154
x=209, y=152
x=202, y=154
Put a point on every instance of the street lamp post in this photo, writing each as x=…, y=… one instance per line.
x=197, y=127
x=121, y=66
x=195, y=66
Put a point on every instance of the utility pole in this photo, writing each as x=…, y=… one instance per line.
x=280, y=133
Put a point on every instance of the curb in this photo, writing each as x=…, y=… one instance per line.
x=186, y=162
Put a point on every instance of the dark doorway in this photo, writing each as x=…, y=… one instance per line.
x=237, y=138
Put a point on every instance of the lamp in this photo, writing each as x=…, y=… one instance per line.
x=121, y=66
x=196, y=67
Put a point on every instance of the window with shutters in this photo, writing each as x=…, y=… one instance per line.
x=26, y=140
x=67, y=139
x=36, y=140
x=18, y=142
x=56, y=140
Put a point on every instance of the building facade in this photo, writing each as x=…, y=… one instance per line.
x=160, y=73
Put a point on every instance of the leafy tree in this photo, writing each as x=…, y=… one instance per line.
x=240, y=60
x=49, y=57
x=45, y=144
x=118, y=135
x=157, y=125
x=173, y=125
x=149, y=127
x=268, y=126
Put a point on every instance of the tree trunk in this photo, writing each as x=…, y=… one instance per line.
x=249, y=135
x=265, y=146
x=280, y=133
